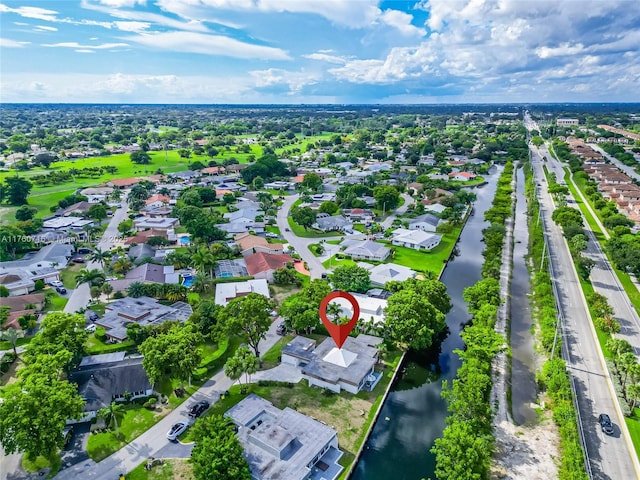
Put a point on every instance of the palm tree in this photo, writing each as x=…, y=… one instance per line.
x=111, y=413
x=175, y=293
x=203, y=259
x=122, y=265
x=12, y=335
x=94, y=277
x=201, y=284
x=107, y=289
x=136, y=290
x=99, y=256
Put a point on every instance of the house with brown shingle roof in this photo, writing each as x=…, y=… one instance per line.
x=250, y=244
x=262, y=265
x=123, y=182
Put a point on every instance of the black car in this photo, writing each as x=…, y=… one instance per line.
x=198, y=409
x=61, y=290
x=605, y=423
x=281, y=329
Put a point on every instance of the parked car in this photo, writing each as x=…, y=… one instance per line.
x=198, y=409
x=271, y=235
x=92, y=315
x=61, y=290
x=605, y=423
x=56, y=283
x=281, y=329
x=78, y=259
x=176, y=430
x=67, y=434
x=91, y=328
x=84, y=250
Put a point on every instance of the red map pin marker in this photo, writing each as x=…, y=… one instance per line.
x=339, y=333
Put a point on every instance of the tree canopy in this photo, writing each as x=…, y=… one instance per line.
x=248, y=317
x=351, y=278
x=217, y=453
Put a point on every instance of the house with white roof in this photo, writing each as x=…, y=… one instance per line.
x=416, y=239
x=284, y=444
x=225, y=292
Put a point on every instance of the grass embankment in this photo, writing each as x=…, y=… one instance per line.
x=554, y=376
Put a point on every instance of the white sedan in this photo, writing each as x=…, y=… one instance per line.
x=176, y=430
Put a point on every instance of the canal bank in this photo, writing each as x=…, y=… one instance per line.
x=414, y=413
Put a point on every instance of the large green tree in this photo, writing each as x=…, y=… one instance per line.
x=33, y=414
x=303, y=216
x=242, y=362
x=351, y=278
x=387, y=197
x=17, y=190
x=217, y=453
x=249, y=318
x=412, y=321
x=58, y=331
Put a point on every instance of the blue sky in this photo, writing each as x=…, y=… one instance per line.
x=311, y=51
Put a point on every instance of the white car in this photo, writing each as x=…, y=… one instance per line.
x=56, y=283
x=91, y=328
x=176, y=430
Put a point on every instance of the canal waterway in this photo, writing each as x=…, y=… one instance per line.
x=522, y=348
x=413, y=415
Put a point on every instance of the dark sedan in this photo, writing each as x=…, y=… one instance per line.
x=198, y=409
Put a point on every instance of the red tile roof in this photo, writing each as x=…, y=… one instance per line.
x=263, y=262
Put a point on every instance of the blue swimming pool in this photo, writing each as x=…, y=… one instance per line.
x=185, y=240
x=187, y=281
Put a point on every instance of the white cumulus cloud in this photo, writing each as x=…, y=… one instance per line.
x=8, y=43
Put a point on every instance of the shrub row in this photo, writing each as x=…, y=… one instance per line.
x=465, y=450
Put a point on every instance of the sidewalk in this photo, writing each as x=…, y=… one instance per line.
x=154, y=440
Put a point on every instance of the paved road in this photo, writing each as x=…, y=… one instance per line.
x=606, y=282
x=153, y=442
x=610, y=457
x=408, y=200
x=80, y=297
x=301, y=245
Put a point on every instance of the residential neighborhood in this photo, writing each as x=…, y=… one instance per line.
x=178, y=294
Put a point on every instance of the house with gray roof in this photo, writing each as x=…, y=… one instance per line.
x=234, y=228
x=19, y=276
x=143, y=311
x=246, y=215
x=349, y=368
x=426, y=223
x=387, y=272
x=416, y=239
x=107, y=378
x=284, y=444
x=365, y=250
x=328, y=223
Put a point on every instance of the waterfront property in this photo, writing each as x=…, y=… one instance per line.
x=364, y=250
x=284, y=444
x=416, y=239
x=350, y=368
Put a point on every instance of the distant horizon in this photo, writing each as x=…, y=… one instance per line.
x=324, y=104
x=292, y=52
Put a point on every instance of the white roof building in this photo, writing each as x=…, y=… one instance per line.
x=225, y=292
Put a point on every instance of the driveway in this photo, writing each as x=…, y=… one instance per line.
x=408, y=200
x=282, y=373
x=153, y=442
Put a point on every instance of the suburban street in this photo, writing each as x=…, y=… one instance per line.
x=79, y=297
x=301, y=245
x=610, y=457
x=408, y=200
x=153, y=442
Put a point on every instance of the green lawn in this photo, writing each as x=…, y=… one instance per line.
x=171, y=469
x=633, y=423
x=135, y=421
x=69, y=273
x=272, y=357
x=301, y=232
x=95, y=346
x=333, y=262
x=54, y=301
x=273, y=229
